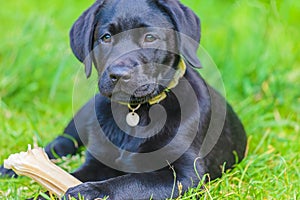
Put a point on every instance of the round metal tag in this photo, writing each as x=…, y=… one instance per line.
x=132, y=119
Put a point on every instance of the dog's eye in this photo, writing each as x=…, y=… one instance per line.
x=106, y=38
x=150, y=38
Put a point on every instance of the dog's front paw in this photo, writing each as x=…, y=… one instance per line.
x=60, y=147
x=86, y=191
x=7, y=172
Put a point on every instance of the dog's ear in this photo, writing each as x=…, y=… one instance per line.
x=188, y=27
x=81, y=36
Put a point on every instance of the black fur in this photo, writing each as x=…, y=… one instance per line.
x=96, y=126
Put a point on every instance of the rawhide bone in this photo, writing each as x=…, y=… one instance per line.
x=35, y=164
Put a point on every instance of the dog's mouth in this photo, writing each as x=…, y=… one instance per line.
x=141, y=95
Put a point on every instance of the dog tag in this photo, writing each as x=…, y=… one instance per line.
x=132, y=119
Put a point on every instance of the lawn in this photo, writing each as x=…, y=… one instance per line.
x=255, y=45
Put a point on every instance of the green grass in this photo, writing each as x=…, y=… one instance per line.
x=255, y=45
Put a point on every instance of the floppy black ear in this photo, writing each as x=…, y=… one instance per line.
x=188, y=26
x=81, y=36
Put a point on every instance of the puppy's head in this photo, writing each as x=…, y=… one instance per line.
x=135, y=45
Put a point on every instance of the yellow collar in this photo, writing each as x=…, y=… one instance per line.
x=178, y=75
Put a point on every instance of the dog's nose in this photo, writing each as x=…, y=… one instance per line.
x=120, y=75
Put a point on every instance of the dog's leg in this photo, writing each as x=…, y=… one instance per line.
x=65, y=144
x=7, y=172
x=160, y=184
x=94, y=170
x=75, y=134
x=69, y=142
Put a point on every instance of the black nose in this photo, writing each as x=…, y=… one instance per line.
x=118, y=75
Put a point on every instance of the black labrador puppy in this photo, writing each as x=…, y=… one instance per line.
x=156, y=122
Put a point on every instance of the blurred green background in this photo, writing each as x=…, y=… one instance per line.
x=255, y=45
